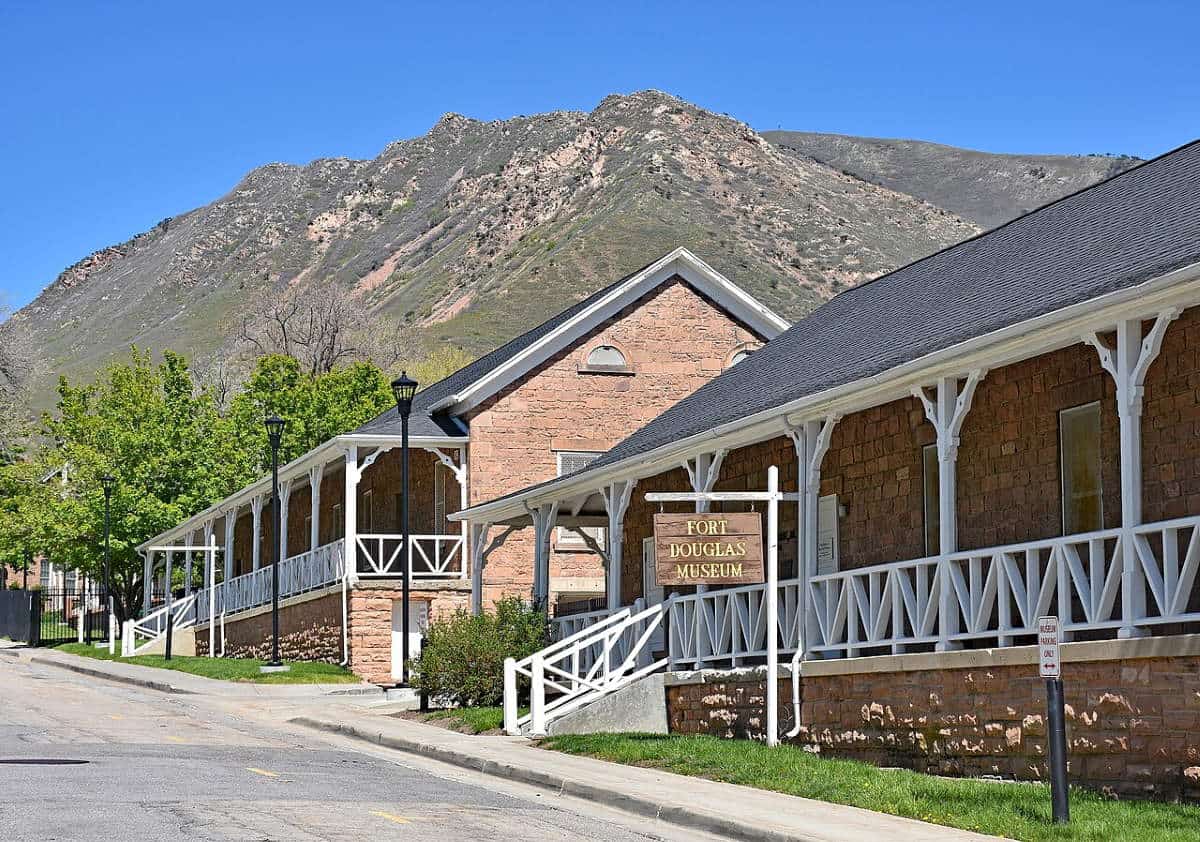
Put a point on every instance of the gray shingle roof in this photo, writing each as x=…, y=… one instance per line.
x=423, y=422
x=1135, y=226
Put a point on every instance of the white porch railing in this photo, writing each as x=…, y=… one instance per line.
x=429, y=556
x=568, y=624
x=601, y=658
x=1097, y=581
x=138, y=635
x=301, y=573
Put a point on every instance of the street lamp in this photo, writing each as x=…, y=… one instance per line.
x=403, y=389
x=275, y=425
x=108, y=482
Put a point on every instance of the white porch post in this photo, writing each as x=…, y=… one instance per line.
x=544, y=517
x=285, y=495
x=1128, y=367
x=479, y=534
x=230, y=525
x=315, y=473
x=616, y=503
x=256, y=506
x=147, y=580
x=810, y=442
x=947, y=416
x=350, y=511
x=702, y=474
x=187, y=565
x=210, y=559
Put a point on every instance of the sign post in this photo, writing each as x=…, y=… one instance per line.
x=1050, y=668
x=727, y=549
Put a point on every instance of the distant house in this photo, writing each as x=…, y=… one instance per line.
x=542, y=405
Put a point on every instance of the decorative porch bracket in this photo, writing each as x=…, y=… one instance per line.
x=811, y=442
x=946, y=413
x=616, y=503
x=1128, y=364
x=703, y=472
x=481, y=548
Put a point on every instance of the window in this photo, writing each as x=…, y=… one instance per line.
x=933, y=502
x=606, y=356
x=44, y=576
x=1079, y=457
x=570, y=461
x=337, y=524
x=738, y=356
x=828, y=549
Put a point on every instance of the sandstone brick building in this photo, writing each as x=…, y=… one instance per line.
x=1007, y=429
x=543, y=404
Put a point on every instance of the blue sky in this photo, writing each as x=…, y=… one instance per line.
x=115, y=115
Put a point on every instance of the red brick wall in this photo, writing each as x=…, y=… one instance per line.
x=674, y=340
x=1133, y=726
x=308, y=631
x=370, y=611
x=1171, y=424
x=1008, y=459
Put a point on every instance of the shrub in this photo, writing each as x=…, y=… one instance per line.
x=462, y=662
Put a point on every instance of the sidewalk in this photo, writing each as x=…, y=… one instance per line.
x=724, y=809
x=171, y=681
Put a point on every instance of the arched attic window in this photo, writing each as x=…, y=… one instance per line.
x=741, y=354
x=606, y=359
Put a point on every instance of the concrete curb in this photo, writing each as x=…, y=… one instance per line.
x=160, y=686
x=645, y=807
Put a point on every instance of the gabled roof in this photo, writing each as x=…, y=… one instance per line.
x=434, y=407
x=1132, y=228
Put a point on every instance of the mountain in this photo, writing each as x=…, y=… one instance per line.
x=477, y=230
x=987, y=188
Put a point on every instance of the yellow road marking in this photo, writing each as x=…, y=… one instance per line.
x=175, y=739
x=390, y=817
x=115, y=716
x=263, y=772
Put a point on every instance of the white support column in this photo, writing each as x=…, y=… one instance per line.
x=947, y=415
x=616, y=503
x=187, y=565
x=231, y=515
x=350, y=511
x=544, y=517
x=703, y=472
x=315, y=473
x=210, y=559
x=481, y=548
x=811, y=443
x=285, y=495
x=1128, y=366
x=147, y=580
x=256, y=507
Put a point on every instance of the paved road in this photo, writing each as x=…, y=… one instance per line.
x=150, y=766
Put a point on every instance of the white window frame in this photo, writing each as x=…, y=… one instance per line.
x=1062, y=462
x=439, y=497
x=366, y=512
x=568, y=540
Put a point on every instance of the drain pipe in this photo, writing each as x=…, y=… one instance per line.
x=345, y=622
x=795, y=692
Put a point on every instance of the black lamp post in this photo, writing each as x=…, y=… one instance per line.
x=403, y=388
x=275, y=425
x=108, y=482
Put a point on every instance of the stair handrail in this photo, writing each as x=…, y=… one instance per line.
x=154, y=625
x=578, y=681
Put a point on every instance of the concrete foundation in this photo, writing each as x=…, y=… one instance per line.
x=641, y=707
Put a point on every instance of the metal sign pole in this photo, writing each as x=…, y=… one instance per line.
x=1050, y=668
x=773, y=606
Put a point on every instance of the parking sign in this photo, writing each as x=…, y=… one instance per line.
x=1049, y=664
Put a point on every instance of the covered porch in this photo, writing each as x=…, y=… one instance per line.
x=340, y=522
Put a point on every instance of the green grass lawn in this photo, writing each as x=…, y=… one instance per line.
x=226, y=669
x=470, y=720
x=1014, y=810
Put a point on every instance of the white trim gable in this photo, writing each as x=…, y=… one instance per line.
x=698, y=274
